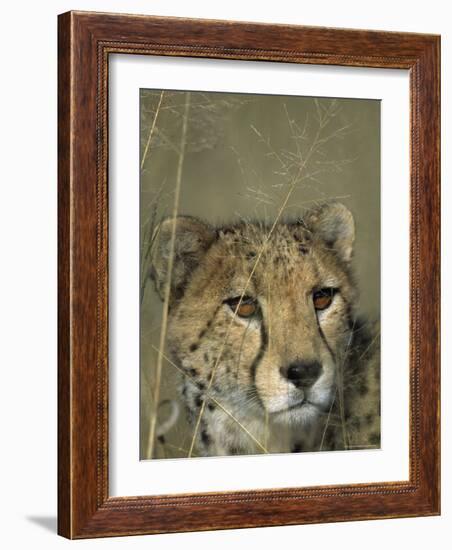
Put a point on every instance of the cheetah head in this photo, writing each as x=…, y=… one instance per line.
x=260, y=315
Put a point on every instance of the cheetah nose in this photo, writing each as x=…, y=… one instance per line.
x=302, y=374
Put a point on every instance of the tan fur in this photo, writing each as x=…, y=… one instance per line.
x=241, y=363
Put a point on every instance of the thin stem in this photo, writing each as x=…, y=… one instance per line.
x=151, y=133
x=153, y=420
x=340, y=388
x=327, y=421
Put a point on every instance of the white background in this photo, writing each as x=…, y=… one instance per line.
x=28, y=270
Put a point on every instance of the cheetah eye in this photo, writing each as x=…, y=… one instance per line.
x=322, y=298
x=245, y=308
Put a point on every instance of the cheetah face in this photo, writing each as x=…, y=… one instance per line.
x=260, y=316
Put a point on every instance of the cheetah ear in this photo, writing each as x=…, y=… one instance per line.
x=188, y=238
x=334, y=224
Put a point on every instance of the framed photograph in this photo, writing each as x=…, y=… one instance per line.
x=248, y=275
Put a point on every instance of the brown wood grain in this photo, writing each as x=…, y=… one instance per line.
x=85, y=42
x=64, y=295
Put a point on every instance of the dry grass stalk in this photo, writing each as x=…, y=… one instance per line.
x=156, y=396
x=340, y=390
x=150, y=235
x=151, y=133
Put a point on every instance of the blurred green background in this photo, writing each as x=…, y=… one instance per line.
x=240, y=155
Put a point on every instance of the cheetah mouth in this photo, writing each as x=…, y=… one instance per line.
x=299, y=406
x=295, y=406
x=299, y=402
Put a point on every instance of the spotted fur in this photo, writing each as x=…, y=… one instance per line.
x=242, y=366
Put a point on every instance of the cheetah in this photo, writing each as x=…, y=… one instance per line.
x=262, y=321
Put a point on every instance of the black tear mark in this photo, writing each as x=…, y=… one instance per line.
x=325, y=341
x=193, y=347
x=260, y=353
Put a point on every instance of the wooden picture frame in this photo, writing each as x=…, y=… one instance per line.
x=85, y=508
